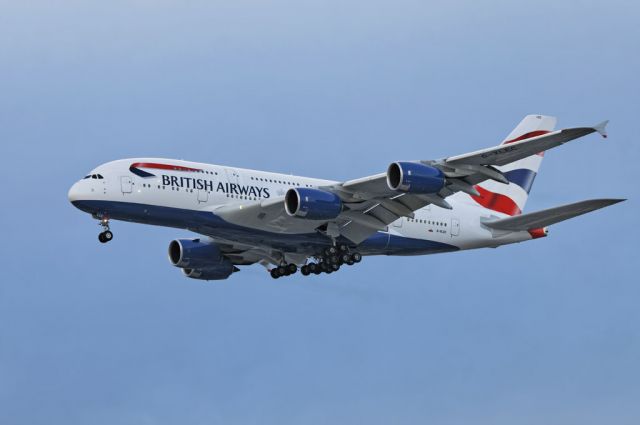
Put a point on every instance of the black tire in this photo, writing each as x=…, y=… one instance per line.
x=343, y=248
x=282, y=271
x=324, y=266
x=330, y=251
x=292, y=268
x=345, y=258
x=349, y=263
x=356, y=257
x=335, y=267
x=274, y=273
x=101, y=238
x=107, y=235
x=313, y=267
x=304, y=270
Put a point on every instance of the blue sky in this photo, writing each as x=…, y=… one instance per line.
x=541, y=332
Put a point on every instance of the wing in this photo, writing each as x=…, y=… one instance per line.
x=549, y=216
x=507, y=153
x=370, y=203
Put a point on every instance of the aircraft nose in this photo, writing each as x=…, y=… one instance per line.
x=74, y=193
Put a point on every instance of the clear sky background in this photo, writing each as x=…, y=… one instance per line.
x=546, y=331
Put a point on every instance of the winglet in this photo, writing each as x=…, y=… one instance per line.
x=601, y=128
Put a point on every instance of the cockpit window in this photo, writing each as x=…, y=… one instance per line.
x=86, y=177
x=100, y=176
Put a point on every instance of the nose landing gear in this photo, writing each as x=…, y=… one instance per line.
x=106, y=235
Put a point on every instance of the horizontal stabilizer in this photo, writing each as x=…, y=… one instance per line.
x=550, y=216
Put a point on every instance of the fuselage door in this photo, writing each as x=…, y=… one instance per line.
x=126, y=184
x=398, y=222
x=455, y=227
x=203, y=195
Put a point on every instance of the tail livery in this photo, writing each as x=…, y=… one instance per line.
x=510, y=199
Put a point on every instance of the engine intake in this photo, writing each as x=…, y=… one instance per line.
x=413, y=177
x=193, y=253
x=312, y=204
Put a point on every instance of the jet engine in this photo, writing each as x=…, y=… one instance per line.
x=193, y=253
x=312, y=204
x=413, y=177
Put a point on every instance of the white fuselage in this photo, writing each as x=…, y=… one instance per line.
x=198, y=200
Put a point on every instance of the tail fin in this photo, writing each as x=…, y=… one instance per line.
x=511, y=199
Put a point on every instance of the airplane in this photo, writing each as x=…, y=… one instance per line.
x=288, y=223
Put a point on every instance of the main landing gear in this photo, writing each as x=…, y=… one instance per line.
x=328, y=262
x=106, y=235
x=284, y=270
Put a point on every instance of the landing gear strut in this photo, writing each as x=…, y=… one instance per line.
x=106, y=235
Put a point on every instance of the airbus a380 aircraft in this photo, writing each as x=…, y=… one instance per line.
x=285, y=222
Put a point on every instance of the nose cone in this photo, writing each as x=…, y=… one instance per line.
x=74, y=193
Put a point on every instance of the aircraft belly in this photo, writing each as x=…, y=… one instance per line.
x=207, y=223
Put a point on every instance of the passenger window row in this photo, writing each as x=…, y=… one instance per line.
x=279, y=181
x=435, y=223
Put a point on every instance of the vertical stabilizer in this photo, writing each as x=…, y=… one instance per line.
x=511, y=199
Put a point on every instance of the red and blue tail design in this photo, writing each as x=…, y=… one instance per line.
x=510, y=199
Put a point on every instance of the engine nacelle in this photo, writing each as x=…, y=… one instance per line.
x=218, y=272
x=194, y=254
x=312, y=204
x=413, y=177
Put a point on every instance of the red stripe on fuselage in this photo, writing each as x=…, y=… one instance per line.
x=162, y=166
x=496, y=202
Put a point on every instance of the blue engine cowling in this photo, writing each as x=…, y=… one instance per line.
x=194, y=253
x=312, y=204
x=200, y=259
x=413, y=177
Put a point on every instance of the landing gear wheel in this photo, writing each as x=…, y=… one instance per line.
x=313, y=268
x=345, y=258
x=356, y=257
x=282, y=271
x=332, y=250
x=274, y=273
x=292, y=268
x=304, y=270
x=106, y=235
x=335, y=267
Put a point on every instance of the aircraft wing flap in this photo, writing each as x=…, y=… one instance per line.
x=549, y=216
